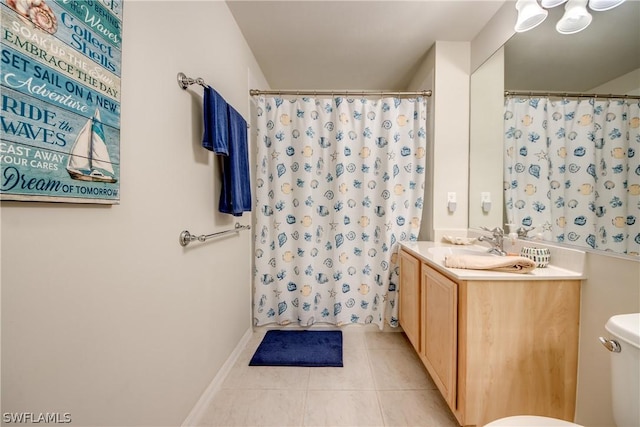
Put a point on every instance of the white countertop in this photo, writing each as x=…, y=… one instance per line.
x=562, y=266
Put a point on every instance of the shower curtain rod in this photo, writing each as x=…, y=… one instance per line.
x=344, y=93
x=568, y=94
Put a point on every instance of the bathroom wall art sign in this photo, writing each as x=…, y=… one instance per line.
x=60, y=70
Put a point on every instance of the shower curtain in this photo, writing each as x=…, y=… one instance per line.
x=339, y=182
x=572, y=170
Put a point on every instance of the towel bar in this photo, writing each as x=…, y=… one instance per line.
x=186, y=237
x=184, y=82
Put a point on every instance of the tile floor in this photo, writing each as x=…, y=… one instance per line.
x=382, y=383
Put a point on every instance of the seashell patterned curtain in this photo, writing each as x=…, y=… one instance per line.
x=339, y=182
x=572, y=170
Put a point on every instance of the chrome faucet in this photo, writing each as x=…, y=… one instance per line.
x=496, y=241
x=523, y=232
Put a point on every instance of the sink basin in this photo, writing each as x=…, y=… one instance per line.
x=440, y=252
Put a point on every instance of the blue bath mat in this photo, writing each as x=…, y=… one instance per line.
x=299, y=348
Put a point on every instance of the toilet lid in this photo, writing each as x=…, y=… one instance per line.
x=530, y=421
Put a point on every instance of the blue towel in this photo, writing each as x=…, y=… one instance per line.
x=235, y=196
x=216, y=123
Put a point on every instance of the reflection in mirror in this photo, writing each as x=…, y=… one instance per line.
x=571, y=170
x=543, y=60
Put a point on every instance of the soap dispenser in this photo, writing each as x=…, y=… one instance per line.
x=539, y=236
x=513, y=236
x=513, y=239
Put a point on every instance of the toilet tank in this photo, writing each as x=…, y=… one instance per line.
x=625, y=369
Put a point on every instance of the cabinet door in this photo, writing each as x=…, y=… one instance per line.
x=409, y=294
x=440, y=335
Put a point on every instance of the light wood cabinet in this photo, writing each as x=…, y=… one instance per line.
x=409, y=315
x=440, y=330
x=494, y=348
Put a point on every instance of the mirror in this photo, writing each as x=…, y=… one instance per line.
x=545, y=61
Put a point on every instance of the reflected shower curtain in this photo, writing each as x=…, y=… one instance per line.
x=339, y=182
x=572, y=170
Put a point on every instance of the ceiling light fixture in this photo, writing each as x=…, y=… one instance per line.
x=602, y=5
x=530, y=15
x=576, y=17
x=548, y=4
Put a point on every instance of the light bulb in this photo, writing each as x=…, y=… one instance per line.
x=576, y=17
x=530, y=15
x=602, y=5
x=548, y=4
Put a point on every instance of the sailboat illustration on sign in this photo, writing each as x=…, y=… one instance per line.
x=89, y=159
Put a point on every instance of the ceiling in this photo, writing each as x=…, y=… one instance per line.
x=379, y=45
x=352, y=45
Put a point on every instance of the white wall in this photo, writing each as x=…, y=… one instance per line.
x=424, y=79
x=446, y=71
x=104, y=315
x=451, y=137
x=612, y=287
x=485, y=156
x=494, y=35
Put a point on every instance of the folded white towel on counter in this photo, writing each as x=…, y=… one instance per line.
x=459, y=240
x=508, y=264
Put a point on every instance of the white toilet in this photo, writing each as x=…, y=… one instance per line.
x=625, y=378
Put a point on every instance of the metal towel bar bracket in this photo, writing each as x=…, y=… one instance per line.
x=184, y=81
x=186, y=237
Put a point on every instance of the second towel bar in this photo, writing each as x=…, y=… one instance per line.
x=186, y=237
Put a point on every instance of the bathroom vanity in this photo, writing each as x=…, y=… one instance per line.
x=495, y=344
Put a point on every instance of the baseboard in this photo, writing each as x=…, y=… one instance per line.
x=203, y=403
